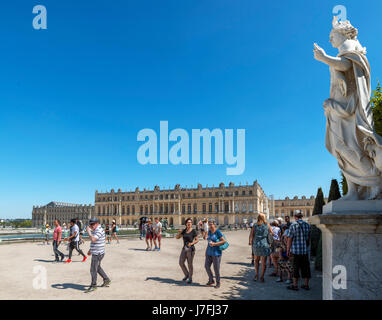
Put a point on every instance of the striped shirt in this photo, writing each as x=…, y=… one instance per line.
x=98, y=247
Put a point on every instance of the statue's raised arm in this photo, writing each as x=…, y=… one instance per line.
x=350, y=135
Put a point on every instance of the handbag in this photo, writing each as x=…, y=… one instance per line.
x=225, y=245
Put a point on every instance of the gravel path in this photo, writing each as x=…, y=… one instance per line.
x=138, y=274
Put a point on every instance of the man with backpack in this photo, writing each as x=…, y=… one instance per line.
x=298, y=249
x=74, y=240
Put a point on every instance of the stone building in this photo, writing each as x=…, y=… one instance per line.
x=227, y=204
x=42, y=215
x=287, y=206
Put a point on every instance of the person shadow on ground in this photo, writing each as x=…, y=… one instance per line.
x=74, y=286
x=172, y=281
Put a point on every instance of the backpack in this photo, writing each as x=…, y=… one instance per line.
x=116, y=228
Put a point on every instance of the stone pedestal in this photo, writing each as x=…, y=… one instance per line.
x=351, y=242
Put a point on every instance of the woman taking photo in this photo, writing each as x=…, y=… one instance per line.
x=213, y=253
x=259, y=240
x=190, y=238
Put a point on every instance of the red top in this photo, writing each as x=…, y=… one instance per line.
x=57, y=231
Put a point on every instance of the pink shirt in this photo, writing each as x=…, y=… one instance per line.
x=55, y=234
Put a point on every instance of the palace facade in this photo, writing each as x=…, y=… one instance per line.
x=42, y=215
x=287, y=206
x=226, y=204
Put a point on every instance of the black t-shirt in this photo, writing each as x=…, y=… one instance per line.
x=189, y=237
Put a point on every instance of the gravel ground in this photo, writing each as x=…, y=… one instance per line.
x=138, y=274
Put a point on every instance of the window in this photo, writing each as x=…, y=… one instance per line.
x=204, y=208
x=195, y=208
x=189, y=208
x=210, y=207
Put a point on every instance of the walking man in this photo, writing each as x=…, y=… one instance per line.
x=97, y=251
x=297, y=248
x=74, y=239
x=57, y=240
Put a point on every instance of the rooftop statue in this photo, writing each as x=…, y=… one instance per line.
x=350, y=135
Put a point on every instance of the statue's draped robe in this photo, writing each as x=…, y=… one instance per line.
x=350, y=121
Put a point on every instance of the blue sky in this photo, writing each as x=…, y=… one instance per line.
x=73, y=97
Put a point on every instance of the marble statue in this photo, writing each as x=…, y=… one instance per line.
x=350, y=135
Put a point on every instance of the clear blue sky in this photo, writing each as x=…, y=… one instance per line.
x=73, y=97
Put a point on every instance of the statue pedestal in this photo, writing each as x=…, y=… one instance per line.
x=351, y=249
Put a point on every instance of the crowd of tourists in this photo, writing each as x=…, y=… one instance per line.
x=283, y=246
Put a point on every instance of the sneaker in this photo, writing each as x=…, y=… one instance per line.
x=210, y=283
x=158, y=249
x=68, y=261
x=90, y=289
x=106, y=283
x=189, y=281
x=288, y=281
x=62, y=258
x=185, y=278
x=217, y=285
x=147, y=249
x=84, y=259
x=279, y=280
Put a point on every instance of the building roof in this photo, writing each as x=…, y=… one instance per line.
x=55, y=204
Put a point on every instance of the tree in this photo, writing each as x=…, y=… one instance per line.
x=319, y=202
x=334, y=192
x=315, y=233
x=318, y=261
x=376, y=107
x=344, y=184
